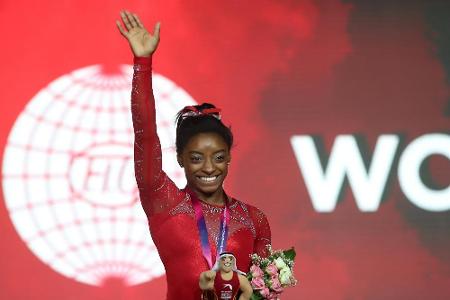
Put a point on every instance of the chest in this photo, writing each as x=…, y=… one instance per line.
x=178, y=238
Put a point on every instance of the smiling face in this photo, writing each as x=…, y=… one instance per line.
x=205, y=160
x=226, y=263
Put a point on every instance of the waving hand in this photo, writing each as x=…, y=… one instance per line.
x=142, y=43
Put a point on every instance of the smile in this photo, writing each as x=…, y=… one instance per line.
x=208, y=179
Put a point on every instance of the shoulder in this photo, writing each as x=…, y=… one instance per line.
x=254, y=212
x=244, y=285
x=241, y=277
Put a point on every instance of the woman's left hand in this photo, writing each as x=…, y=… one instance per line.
x=142, y=43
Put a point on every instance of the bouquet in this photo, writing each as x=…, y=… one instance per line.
x=270, y=276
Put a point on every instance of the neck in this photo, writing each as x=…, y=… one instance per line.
x=226, y=275
x=216, y=198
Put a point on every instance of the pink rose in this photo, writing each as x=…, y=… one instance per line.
x=275, y=285
x=273, y=296
x=258, y=283
x=264, y=292
x=256, y=271
x=272, y=270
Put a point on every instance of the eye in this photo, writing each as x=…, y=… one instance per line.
x=196, y=159
x=220, y=157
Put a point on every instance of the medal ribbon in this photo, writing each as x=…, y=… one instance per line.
x=203, y=231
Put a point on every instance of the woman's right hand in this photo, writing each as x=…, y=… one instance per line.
x=141, y=42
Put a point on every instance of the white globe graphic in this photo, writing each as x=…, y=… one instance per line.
x=68, y=176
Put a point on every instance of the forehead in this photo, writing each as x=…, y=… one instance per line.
x=226, y=257
x=206, y=142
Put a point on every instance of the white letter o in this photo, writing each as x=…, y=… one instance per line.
x=408, y=172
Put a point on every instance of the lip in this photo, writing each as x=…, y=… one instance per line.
x=209, y=182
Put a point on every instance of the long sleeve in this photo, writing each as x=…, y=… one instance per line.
x=157, y=192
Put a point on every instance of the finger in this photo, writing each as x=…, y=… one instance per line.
x=138, y=21
x=132, y=19
x=125, y=20
x=156, y=30
x=121, y=29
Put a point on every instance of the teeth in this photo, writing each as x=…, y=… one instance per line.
x=208, y=178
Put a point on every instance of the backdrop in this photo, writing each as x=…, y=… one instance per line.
x=340, y=111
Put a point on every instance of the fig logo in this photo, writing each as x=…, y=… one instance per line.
x=101, y=174
x=68, y=176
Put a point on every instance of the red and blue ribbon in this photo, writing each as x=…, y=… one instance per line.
x=203, y=231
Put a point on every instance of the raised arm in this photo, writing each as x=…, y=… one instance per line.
x=206, y=280
x=156, y=190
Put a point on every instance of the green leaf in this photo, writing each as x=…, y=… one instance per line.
x=256, y=296
x=290, y=253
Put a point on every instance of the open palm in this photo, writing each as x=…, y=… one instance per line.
x=142, y=43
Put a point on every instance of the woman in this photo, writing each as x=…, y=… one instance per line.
x=189, y=226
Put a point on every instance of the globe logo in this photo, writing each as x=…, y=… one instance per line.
x=68, y=176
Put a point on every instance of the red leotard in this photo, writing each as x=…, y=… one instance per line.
x=169, y=210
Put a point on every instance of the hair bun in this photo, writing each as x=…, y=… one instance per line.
x=195, y=119
x=200, y=110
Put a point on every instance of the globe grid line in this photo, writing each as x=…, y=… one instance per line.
x=84, y=107
x=95, y=126
x=75, y=124
x=68, y=108
x=69, y=242
x=48, y=241
x=96, y=81
x=40, y=233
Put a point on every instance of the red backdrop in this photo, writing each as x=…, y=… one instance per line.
x=278, y=69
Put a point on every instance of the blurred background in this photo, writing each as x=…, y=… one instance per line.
x=341, y=114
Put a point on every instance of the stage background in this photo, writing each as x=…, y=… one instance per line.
x=278, y=69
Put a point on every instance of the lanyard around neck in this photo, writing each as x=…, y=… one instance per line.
x=203, y=231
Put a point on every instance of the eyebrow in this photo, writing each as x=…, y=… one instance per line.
x=201, y=153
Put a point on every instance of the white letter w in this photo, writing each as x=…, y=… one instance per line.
x=345, y=159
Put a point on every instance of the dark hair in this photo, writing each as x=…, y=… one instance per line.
x=196, y=119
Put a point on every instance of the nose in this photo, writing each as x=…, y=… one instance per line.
x=208, y=166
